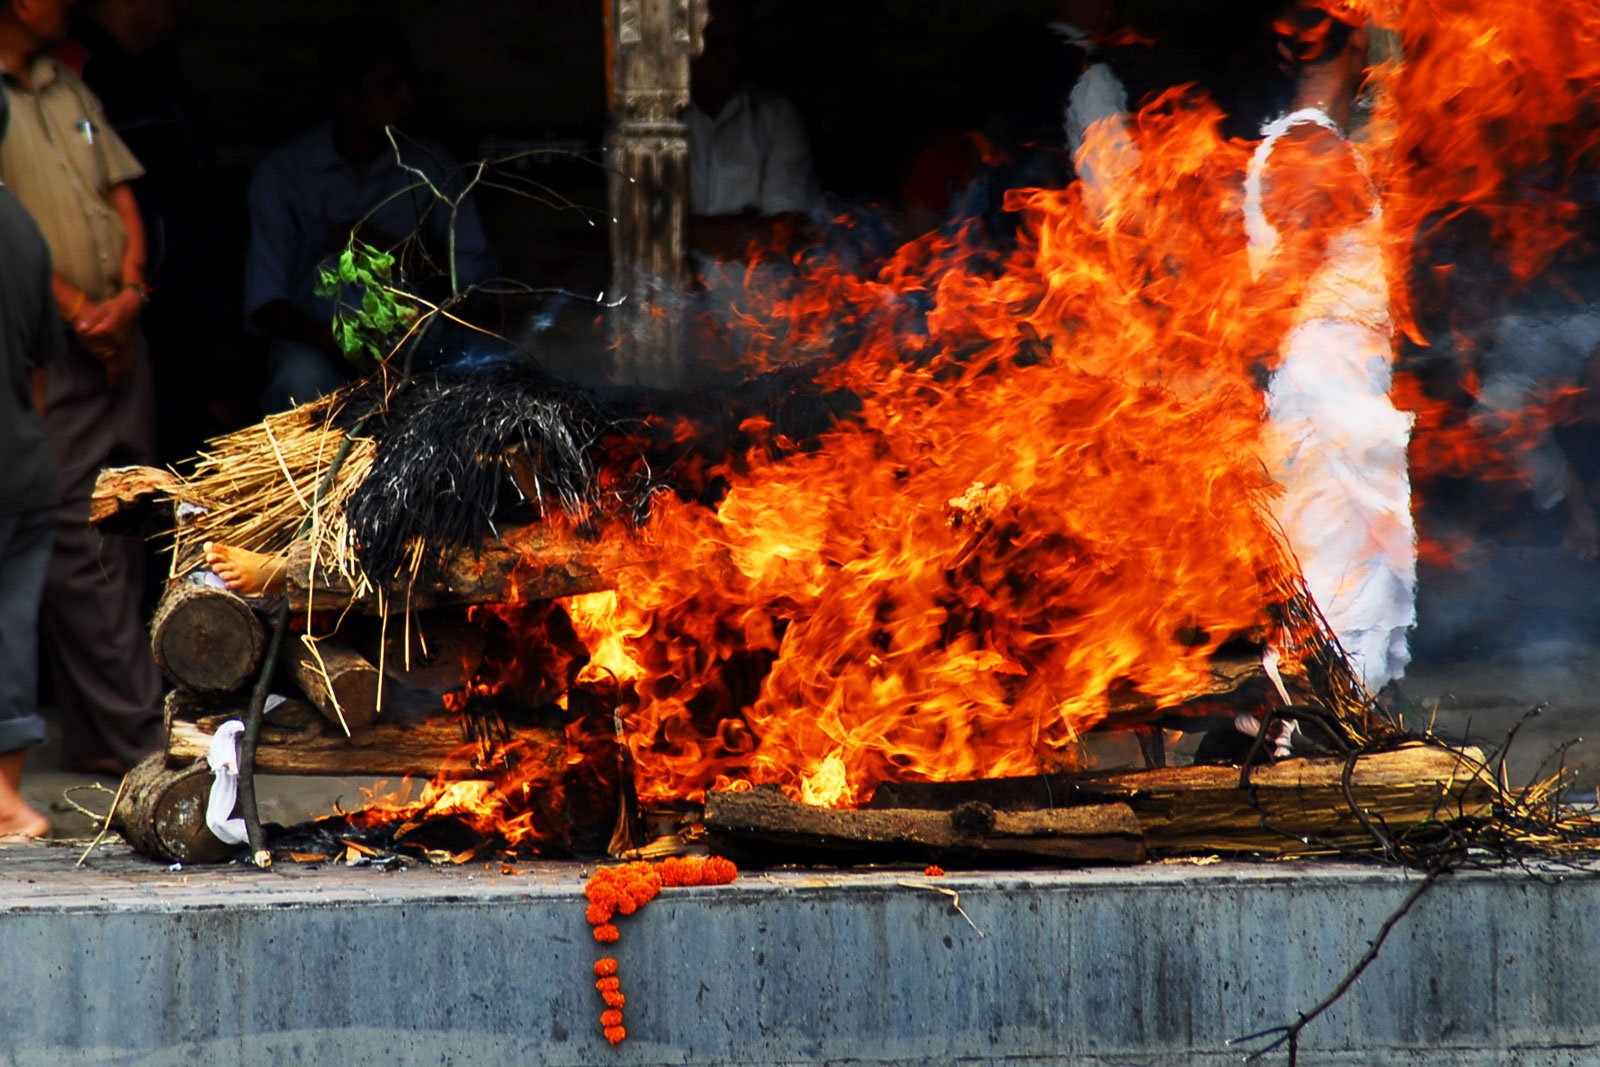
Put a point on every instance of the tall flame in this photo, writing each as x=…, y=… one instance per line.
x=1054, y=486
x=1053, y=489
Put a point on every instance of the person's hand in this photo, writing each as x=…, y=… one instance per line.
x=105, y=327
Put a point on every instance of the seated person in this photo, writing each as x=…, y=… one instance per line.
x=342, y=177
x=749, y=158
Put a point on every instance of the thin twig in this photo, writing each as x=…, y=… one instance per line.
x=955, y=900
x=1290, y=1033
x=106, y=827
x=66, y=798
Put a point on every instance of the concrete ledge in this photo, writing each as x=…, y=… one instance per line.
x=129, y=964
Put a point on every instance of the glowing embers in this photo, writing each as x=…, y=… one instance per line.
x=537, y=768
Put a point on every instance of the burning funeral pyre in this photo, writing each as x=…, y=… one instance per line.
x=956, y=514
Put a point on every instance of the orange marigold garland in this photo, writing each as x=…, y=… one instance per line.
x=623, y=890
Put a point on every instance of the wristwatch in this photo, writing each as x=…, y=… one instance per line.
x=141, y=288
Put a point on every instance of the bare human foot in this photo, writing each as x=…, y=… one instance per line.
x=245, y=572
x=18, y=821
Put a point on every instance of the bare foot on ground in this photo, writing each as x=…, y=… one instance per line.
x=245, y=572
x=18, y=821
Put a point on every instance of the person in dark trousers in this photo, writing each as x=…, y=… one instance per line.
x=30, y=340
x=73, y=173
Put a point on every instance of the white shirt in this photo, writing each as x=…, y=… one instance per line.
x=753, y=156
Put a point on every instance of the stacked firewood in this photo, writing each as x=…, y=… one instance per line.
x=359, y=687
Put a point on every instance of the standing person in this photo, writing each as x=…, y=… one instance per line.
x=30, y=340
x=72, y=172
x=1338, y=445
x=342, y=177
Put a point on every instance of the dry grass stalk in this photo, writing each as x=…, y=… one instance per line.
x=259, y=485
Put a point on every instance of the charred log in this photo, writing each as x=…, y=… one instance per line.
x=132, y=500
x=762, y=824
x=525, y=564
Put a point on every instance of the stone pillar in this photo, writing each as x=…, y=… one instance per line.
x=651, y=43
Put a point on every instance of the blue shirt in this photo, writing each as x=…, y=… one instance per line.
x=304, y=188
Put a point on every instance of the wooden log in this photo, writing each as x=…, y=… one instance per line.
x=1297, y=806
x=765, y=821
x=206, y=639
x=524, y=564
x=338, y=680
x=1037, y=792
x=296, y=739
x=1201, y=809
x=162, y=813
x=132, y=500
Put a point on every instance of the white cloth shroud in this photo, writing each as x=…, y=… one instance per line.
x=223, y=759
x=1336, y=442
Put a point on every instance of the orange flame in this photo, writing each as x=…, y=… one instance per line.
x=1053, y=490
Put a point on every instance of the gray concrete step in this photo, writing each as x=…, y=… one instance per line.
x=126, y=962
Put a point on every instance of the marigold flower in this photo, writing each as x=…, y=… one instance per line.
x=676, y=871
x=626, y=888
x=718, y=870
x=933, y=870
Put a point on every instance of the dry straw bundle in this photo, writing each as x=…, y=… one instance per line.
x=256, y=487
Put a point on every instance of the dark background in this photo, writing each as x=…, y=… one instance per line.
x=873, y=80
